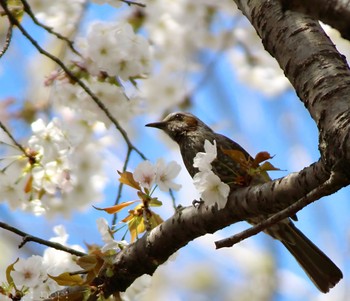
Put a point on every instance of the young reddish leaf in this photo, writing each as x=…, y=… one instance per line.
x=261, y=157
x=137, y=211
x=128, y=218
x=29, y=184
x=127, y=178
x=66, y=279
x=92, y=264
x=10, y=269
x=115, y=208
x=87, y=262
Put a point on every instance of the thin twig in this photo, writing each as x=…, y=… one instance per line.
x=74, y=78
x=120, y=188
x=4, y=128
x=49, y=29
x=128, y=2
x=324, y=189
x=7, y=41
x=173, y=200
x=27, y=237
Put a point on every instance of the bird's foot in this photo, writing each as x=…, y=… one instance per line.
x=197, y=203
x=179, y=208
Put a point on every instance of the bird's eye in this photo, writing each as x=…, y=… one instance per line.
x=178, y=116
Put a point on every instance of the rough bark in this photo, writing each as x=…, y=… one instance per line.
x=318, y=72
x=146, y=254
x=335, y=13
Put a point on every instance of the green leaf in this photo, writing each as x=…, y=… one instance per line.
x=67, y=279
x=10, y=269
x=268, y=166
x=154, y=202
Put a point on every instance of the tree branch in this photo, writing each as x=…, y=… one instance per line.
x=150, y=251
x=335, y=13
x=7, y=41
x=30, y=13
x=318, y=72
x=336, y=181
x=128, y=2
x=27, y=237
x=74, y=78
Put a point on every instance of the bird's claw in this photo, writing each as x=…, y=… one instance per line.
x=197, y=203
x=179, y=208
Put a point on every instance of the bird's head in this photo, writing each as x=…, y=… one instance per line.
x=179, y=125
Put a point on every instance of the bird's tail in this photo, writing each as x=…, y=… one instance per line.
x=320, y=269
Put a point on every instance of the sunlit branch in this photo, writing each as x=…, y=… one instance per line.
x=74, y=78
x=30, y=13
x=27, y=237
x=327, y=188
x=7, y=41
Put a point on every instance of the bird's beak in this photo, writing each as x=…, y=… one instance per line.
x=159, y=125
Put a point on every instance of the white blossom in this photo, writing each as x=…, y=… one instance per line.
x=203, y=160
x=211, y=188
x=48, y=139
x=27, y=271
x=208, y=184
x=10, y=191
x=115, y=48
x=110, y=243
x=61, y=15
x=145, y=174
x=165, y=173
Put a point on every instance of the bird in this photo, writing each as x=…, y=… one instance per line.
x=190, y=133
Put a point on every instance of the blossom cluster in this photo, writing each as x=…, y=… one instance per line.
x=66, y=172
x=32, y=273
x=160, y=174
x=110, y=52
x=208, y=184
x=115, y=49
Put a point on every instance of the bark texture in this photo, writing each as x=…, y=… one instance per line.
x=318, y=72
x=335, y=13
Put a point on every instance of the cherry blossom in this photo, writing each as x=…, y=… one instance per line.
x=165, y=175
x=145, y=174
x=211, y=189
x=203, y=159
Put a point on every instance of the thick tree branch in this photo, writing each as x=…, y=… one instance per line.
x=146, y=254
x=336, y=181
x=318, y=72
x=335, y=13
